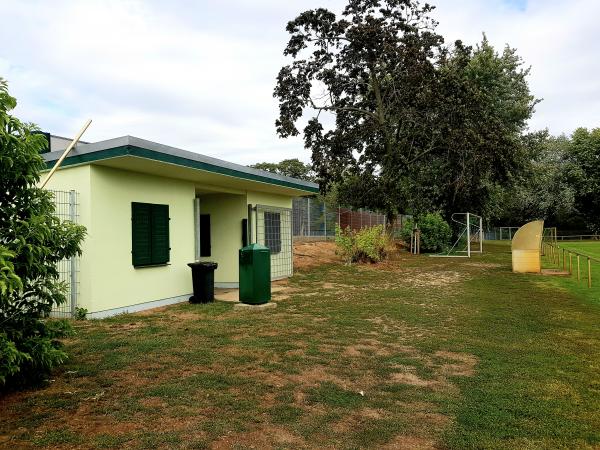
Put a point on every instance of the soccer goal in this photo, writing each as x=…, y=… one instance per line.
x=470, y=236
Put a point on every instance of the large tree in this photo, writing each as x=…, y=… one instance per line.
x=289, y=167
x=32, y=241
x=542, y=190
x=395, y=119
x=584, y=154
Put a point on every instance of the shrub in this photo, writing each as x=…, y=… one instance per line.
x=435, y=232
x=32, y=241
x=369, y=244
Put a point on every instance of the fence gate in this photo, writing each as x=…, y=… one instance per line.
x=274, y=230
x=67, y=208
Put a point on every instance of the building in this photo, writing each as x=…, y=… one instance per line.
x=150, y=209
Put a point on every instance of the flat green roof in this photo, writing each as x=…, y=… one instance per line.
x=141, y=148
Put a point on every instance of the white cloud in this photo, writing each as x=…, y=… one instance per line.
x=200, y=75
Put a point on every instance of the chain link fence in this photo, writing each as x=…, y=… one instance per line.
x=312, y=218
x=67, y=208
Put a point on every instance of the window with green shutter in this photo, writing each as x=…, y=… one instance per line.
x=149, y=234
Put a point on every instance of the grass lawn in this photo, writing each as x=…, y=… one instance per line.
x=415, y=353
x=589, y=248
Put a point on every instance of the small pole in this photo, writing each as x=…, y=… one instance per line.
x=481, y=235
x=325, y=221
x=308, y=213
x=73, y=280
x=578, y=271
x=570, y=263
x=469, y=235
x=589, y=272
x=564, y=260
x=66, y=152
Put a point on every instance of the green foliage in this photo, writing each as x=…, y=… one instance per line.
x=584, y=174
x=369, y=244
x=400, y=109
x=289, y=168
x=346, y=243
x=9, y=280
x=541, y=190
x=11, y=359
x=435, y=232
x=33, y=240
x=80, y=313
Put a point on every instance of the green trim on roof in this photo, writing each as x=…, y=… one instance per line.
x=130, y=150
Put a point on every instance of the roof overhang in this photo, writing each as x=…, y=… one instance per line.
x=139, y=155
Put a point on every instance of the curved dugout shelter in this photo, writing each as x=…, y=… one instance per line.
x=527, y=247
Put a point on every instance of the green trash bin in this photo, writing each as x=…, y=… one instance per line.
x=255, y=274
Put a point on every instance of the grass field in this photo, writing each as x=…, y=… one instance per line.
x=591, y=248
x=588, y=248
x=414, y=353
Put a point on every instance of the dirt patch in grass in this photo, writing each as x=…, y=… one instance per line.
x=354, y=420
x=312, y=254
x=403, y=442
x=362, y=350
x=483, y=265
x=317, y=375
x=153, y=402
x=267, y=437
x=118, y=327
x=462, y=364
x=440, y=278
x=413, y=379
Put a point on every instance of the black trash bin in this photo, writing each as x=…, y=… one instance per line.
x=203, y=279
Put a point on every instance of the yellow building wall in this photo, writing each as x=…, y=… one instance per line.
x=115, y=282
x=79, y=179
x=226, y=214
x=107, y=278
x=263, y=198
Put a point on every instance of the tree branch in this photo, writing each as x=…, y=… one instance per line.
x=344, y=108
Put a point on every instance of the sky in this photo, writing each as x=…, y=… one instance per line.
x=199, y=75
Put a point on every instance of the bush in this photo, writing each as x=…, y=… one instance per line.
x=435, y=232
x=369, y=244
x=32, y=241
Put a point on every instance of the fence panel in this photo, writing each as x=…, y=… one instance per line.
x=313, y=218
x=67, y=208
x=273, y=230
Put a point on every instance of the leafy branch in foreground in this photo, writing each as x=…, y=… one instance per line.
x=32, y=241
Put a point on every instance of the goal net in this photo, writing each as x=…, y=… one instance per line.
x=469, y=236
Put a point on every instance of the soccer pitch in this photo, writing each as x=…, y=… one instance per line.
x=589, y=248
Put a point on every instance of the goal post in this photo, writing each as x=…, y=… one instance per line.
x=470, y=237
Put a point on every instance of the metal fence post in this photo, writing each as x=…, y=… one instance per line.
x=73, y=278
x=325, y=219
x=308, y=213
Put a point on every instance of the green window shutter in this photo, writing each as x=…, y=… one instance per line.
x=141, y=234
x=160, y=234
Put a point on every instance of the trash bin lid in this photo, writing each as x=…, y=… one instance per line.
x=254, y=248
x=203, y=265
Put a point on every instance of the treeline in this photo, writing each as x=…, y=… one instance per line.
x=559, y=181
